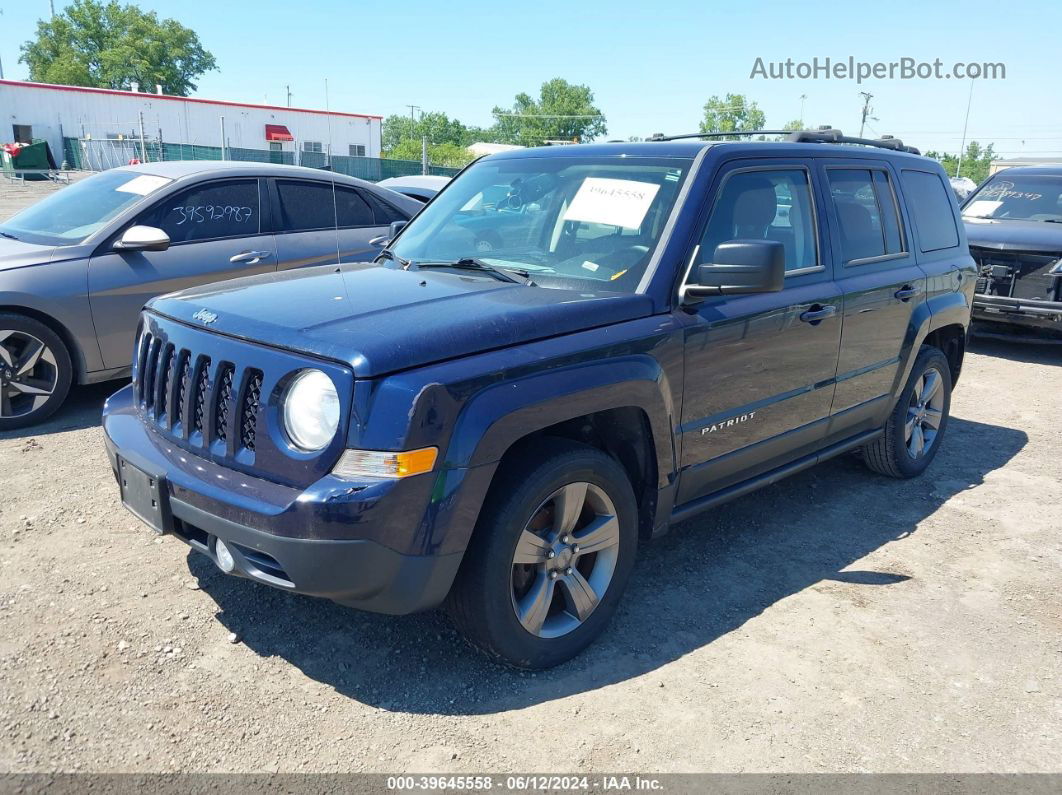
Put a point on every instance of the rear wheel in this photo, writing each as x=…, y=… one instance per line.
x=35, y=371
x=916, y=426
x=550, y=556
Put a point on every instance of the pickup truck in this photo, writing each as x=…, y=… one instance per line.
x=661, y=327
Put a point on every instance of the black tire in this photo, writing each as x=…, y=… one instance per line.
x=482, y=602
x=59, y=375
x=889, y=454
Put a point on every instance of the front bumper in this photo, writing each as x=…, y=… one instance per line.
x=329, y=540
x=1018, y=311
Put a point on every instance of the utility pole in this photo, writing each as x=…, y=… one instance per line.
x=802, y=98
x=288, y=89
x=51, y=6
x=412, y=121
x=867, y=96
x=222, y=137
x=424, y=155
x=143, y=145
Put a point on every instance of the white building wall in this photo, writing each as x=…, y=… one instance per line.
x=57, y=111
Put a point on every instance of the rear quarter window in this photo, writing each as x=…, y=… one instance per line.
x=932, y=210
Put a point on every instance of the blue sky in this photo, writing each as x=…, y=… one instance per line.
x=651, y=66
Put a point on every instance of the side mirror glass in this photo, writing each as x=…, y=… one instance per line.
x=739, y=267
x=143, y=238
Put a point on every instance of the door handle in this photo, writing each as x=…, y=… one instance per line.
x=250, y=257
x=817, y=313
x=907, y=292
x=379, y=241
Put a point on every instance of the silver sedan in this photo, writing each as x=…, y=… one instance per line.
x=76, y=268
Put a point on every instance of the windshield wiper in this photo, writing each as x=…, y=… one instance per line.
x=471, y=263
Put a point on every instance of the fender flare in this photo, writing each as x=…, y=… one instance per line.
x=500, y=415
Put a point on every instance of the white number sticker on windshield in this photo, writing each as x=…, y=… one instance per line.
x=618, y=202
x=143, y=185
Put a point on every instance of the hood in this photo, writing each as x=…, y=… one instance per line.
x=17, y=254
x=1032, y=236
x=378, y=319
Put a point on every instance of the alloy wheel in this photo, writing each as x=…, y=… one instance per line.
x=28, y=373
x=565, y=559
x=924, y=413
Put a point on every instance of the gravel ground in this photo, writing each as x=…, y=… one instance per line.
x=838, y=621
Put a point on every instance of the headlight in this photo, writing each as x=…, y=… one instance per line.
x=311, y=410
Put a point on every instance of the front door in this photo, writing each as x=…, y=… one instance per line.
x=882, y=286
x=216, y=232
x=760, y=368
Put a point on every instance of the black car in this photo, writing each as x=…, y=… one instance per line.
x=1014, y=225
x=663, y=326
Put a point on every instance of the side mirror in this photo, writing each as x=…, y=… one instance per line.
x=143, y=238
x=382, y=241
x=739, y=267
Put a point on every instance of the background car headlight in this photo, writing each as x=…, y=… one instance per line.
x=311, y=410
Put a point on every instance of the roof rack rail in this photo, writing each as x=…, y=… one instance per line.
x=831, y=136
x=825, y=134
x=715, y=134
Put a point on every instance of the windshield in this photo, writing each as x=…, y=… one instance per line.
x=72, y=214
x=1031, y=198
x=575, y=223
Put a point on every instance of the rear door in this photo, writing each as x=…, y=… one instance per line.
x=882, y=286
x=217, y=231
x=760, y=368
x=316, y=226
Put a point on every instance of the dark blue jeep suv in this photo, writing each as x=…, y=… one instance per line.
x=655, y=328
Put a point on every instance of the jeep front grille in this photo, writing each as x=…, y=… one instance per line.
x=173, y=384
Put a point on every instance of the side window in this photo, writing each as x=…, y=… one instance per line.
x=931, y=206
x=384, y=213
x=765, y=205
x=305, y=206
x=352, y=209
x=211, y=211
x=866, y=213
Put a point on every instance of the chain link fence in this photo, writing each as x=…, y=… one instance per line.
x=100, y=154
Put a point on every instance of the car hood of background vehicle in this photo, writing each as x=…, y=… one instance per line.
x=1032, y=236
x=380, y=319
x=17, y=254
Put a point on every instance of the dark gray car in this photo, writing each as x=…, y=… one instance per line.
x=76, y=268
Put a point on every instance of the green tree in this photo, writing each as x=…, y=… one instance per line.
x=445, y=154
x=110, y=46
x=976, y=161
x=734, y=113
x=438, y=127
x=562, y=112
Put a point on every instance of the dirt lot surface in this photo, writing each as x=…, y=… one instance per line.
x=838, y=621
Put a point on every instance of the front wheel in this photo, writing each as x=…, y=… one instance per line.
x=916, y=426
x=35, y=371
x=550, y=556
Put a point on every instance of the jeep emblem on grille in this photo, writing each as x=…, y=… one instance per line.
x=205, y=315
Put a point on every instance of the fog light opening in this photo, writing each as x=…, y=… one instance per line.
x=224, y=557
